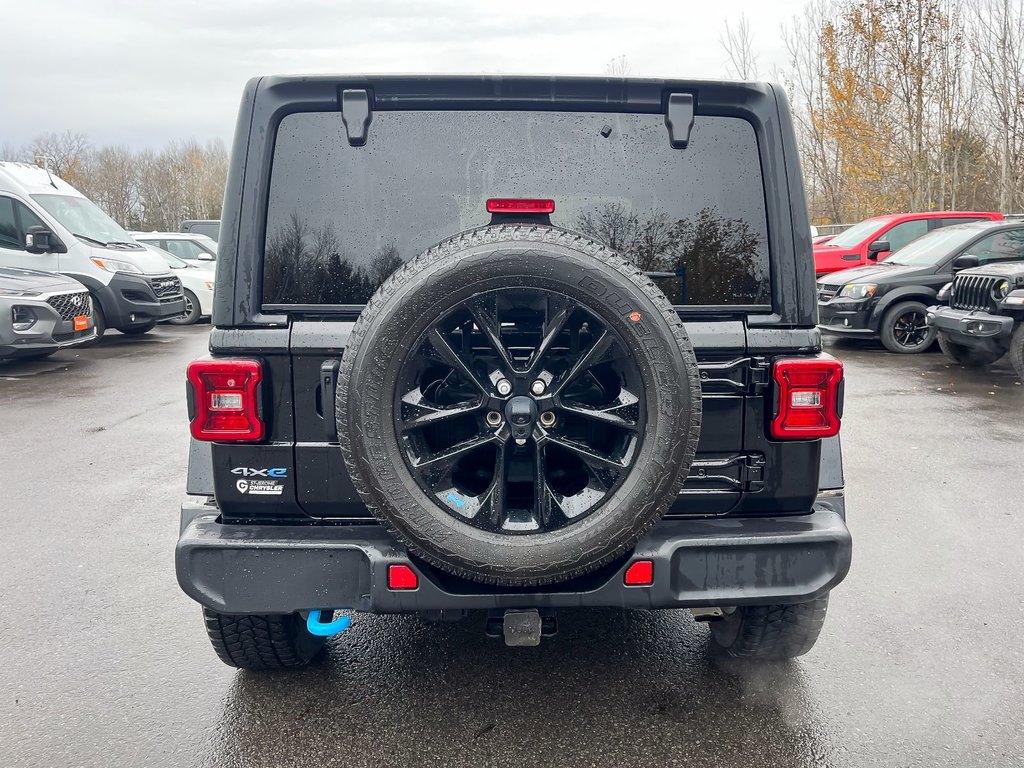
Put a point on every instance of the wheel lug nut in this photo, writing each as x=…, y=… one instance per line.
x=547, y=419
x=504, y=387
x=493, y=419
x=538, y=387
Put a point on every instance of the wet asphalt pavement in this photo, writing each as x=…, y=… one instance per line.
x=104, y=662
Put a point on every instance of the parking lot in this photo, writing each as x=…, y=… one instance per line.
x=106, y=663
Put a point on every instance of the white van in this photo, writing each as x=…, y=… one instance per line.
x=47, y=224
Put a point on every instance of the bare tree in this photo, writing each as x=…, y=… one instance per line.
x=804, y=78
x=14, y=153
x=65, y=154
x=111, y=180
x=997, y=33
x=618, y=66
x=738, y=44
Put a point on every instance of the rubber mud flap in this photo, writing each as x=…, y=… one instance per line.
x=410, y=341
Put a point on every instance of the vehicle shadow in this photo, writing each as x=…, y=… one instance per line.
x=612, y=688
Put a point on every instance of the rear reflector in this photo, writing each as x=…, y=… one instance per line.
x=640, y=574
x=513, y=205
x=402, y=577
x=225, y=400
x=808, y=390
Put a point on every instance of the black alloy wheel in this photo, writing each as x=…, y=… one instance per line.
x=519, y=411
x=905, y=329
x=518, y=405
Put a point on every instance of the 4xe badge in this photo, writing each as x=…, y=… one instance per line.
x=253, y=472
x=257, y=487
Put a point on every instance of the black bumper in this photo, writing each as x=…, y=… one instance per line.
x=130, y=300
x=847, y=318
x=700, y=562
x=975, y=329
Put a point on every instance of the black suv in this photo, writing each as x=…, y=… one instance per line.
x=889, y=300
x=510, y=345
x=985, y=317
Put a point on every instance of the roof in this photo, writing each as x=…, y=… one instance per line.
x=29, y=179
x=934, y=215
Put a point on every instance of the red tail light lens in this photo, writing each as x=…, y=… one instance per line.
x=224, y=403
x=511, y=205
x=809, y=397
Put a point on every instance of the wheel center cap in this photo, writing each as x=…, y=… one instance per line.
x=521, y=413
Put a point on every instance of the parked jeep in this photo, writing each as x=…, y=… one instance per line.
x=984, y=319
x=511, y=345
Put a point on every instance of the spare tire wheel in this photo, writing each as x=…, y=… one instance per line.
x=518, y=405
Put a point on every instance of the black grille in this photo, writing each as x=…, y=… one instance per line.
x=826, y=292
x=973, y=292
x=71, y=305
x=166, y=288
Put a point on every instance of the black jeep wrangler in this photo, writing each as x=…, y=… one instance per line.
x=984, y=317
x=508, y=345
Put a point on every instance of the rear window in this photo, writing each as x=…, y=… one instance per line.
x=341, y=219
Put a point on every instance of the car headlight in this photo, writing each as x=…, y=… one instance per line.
x=12, y=292
x=1001, y=289
x=114, y=265
x=943, y=295
x=858, y=290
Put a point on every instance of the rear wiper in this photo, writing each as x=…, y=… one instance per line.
x=90, y=239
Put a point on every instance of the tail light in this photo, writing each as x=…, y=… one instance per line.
x=809, y=397
x=223, y=402
x=519, y=205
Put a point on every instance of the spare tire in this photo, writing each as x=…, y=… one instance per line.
x=518, y=405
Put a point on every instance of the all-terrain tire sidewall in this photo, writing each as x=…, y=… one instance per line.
x=887, y=329
x=1017, y=350
x=490, y=259
x=966, y=356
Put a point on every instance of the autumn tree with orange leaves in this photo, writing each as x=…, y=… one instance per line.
x=908, y=105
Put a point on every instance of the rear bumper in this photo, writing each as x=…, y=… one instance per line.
x=700, y=562
x=976, y=329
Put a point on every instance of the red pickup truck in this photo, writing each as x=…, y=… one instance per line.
x=874, y=239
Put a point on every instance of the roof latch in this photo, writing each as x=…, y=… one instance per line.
x=355, y=114
x=679, y=119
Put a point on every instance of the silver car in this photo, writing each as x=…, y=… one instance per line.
x=41, y=313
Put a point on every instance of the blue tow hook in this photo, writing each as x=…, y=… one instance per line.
x=326, y=629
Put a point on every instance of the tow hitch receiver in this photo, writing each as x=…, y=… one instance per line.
x=521, y=626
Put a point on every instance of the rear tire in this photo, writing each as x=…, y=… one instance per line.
x=262, y=642
x=139, y=330
x=967, y=356
x=192, y=310
x=902, y=332
x=770, y=632
x=1017, y=350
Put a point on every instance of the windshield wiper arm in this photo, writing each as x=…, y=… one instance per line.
x=90, y=239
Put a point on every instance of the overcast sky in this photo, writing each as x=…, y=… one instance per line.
x=141, y=73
